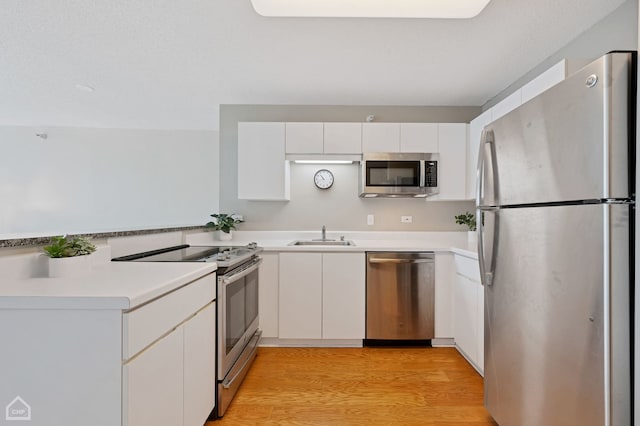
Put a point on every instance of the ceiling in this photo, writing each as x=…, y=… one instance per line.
x=170, y=64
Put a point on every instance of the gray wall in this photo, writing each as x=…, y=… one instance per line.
x=338, y=208
x=618, y=31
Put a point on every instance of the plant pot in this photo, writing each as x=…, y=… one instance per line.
x=472, y=239
x=70, y=266
x=225, y=236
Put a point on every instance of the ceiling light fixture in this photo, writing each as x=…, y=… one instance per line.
x=448, y=9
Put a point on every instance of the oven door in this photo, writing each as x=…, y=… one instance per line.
x=237, y=313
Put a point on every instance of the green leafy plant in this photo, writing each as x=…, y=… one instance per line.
x=466, y=219
x=69, y=247
x=224, y=222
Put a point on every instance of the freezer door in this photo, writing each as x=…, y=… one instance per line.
x=557, y=337
x=569, y=143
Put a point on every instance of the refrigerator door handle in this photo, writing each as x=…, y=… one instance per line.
x=486, y=178
x=487, y=221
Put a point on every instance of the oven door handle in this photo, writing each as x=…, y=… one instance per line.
x=253, y=344
x=228, y=279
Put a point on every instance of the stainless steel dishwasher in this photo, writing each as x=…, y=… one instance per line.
x=400, y=297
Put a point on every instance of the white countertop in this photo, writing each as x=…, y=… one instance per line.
x=109, y=285
x=455, y=242
x=126, y=285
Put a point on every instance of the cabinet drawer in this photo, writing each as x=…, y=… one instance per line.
x=467, y=267
x=144, y=325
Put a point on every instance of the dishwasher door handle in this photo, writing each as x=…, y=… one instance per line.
x=391, y=260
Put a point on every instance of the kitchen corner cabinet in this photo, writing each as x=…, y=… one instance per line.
x=321, y=296
x=452, y=171
x=469, y=311
x=263, y=172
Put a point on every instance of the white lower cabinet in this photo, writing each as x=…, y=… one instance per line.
x=268, y=295
x=444, y=296
x=199, y=366
x=343, y=296
x=469, y=311
x=172, y=380
x=321, y=296
x=300, y=296
x=153, y=384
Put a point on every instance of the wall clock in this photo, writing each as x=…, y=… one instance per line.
x=323, y=179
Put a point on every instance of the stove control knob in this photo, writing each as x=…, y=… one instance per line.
x=252, y=245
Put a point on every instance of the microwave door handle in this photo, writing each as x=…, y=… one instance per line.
x=423, y=174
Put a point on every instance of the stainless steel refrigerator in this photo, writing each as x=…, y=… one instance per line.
x=555, y=213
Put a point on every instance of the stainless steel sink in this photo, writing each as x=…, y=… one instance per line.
x=321, y=243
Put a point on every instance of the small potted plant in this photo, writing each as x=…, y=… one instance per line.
x=69, y=256
x=469, y=220
x=224, y=223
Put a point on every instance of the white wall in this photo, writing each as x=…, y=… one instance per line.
x=89, y=180
x=617, y=31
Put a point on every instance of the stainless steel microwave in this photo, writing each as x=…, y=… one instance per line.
x=390, y=174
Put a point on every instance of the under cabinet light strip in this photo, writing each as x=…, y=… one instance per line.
x=323, y=161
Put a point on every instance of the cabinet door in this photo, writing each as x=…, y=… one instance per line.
x=263, y=173
x=544, y=81
x=452, y=145
x=507, y=105
x=480, y=322
x=466, y=317
x=380, y=137
x=304, y=138
x=444, y=295
x=300, y=296
x=343, y=296
x=200, y=366
x=153, y=384
x=475, y=133
x=268, y=294
x=419, y=137
x=343, y=138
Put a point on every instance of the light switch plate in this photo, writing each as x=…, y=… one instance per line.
x=370, y=219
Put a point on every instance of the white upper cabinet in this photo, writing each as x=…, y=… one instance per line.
x=263, y=173
x=452, y=146
x=507, y=105
x=475, y=133
x=343, y=138
x=544, y=81
x=419, y=137
x=304, y=138
x=380, y=137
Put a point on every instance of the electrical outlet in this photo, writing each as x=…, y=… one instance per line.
x=406, y=219
x=370, y=219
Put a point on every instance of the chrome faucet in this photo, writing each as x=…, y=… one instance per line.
x=324, y=233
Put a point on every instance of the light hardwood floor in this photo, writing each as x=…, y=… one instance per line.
x=359, y=386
